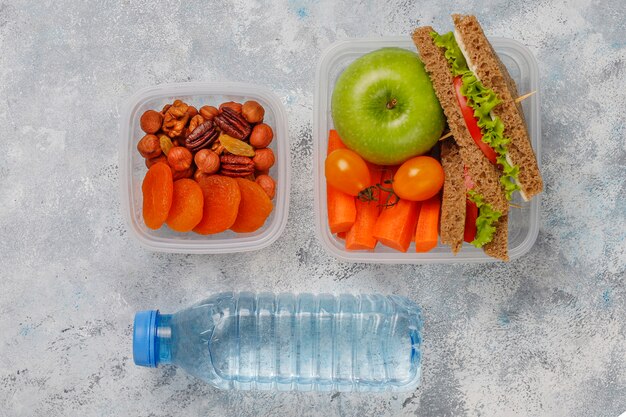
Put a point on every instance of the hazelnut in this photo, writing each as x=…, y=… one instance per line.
x=186, y=173
x=263, y=159
x=233, y=105
x=209, y=112
x=261, y=136
x=152, y=161
x=179, y=158
x=151, y=121
x=192, y=111
x=199, y=174
x=149, y=146
x=207, y=161
x=268, y=184
x=252, y=111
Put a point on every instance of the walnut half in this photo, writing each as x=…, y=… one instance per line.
x=175, y=119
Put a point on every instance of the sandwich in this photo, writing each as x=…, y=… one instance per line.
x=465, y=214
x=489, y=157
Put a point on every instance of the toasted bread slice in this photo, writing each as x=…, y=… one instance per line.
x=499, y=245
x=453, y=208
x=484, y=174
x=484, y=62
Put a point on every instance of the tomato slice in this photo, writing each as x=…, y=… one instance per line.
x=471, y=214
x=469, y=182
x=471, y=122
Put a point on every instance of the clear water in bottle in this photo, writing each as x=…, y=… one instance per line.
x=288, y=342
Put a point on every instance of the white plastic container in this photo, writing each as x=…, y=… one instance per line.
x=523, y=223
x=133, y=169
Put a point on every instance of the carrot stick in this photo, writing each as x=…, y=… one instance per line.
x=334, y=142
x=342, y=235
x=396, y=225
x=361, y=235
x=471, y=214
x=427, y=231
x=341, y=210
x=341, y=206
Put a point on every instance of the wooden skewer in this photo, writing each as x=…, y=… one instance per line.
x=525, y=96
x=517, y=100
x=446, y=136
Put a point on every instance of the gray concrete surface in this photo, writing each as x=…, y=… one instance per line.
x=544, y=335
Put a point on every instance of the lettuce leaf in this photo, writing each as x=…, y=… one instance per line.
x=482, y=100
x=452, y=52
x=486, y=220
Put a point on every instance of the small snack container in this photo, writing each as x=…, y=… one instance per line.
x=133, y=169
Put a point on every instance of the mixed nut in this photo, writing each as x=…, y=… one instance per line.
x=218, y=153
x=229, y=140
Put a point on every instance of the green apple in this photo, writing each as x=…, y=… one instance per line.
x=384, y=107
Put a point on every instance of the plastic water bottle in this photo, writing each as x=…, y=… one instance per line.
x=288, y=342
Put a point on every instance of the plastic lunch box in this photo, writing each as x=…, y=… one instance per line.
x=133, y=169
x=523, y=223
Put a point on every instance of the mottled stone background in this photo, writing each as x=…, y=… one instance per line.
x=543, y=335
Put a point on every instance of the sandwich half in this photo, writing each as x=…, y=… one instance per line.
x=483, y=62
x=477, y=96
x=456, y=203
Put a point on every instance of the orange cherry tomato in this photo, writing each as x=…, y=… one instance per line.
x=418, y=179
x=347, y=171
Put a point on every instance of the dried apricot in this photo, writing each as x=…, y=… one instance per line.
x=187, y=203
x=157, y=189
x=221, y=204
x=254, y=208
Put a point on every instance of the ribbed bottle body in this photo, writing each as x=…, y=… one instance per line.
x=300, y=342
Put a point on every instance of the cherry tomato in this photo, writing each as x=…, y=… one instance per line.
x=418, y=179
x=347, y=171
x=471, y=122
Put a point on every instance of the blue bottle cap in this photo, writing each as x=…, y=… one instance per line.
x=144, y=338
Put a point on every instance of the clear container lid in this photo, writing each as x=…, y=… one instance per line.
x=523, y=223
x=133, y=169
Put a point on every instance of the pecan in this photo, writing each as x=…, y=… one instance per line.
x=233, y=123
x=236, y=159
x=232, y=174
x=202, y=136
x=236, y=166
